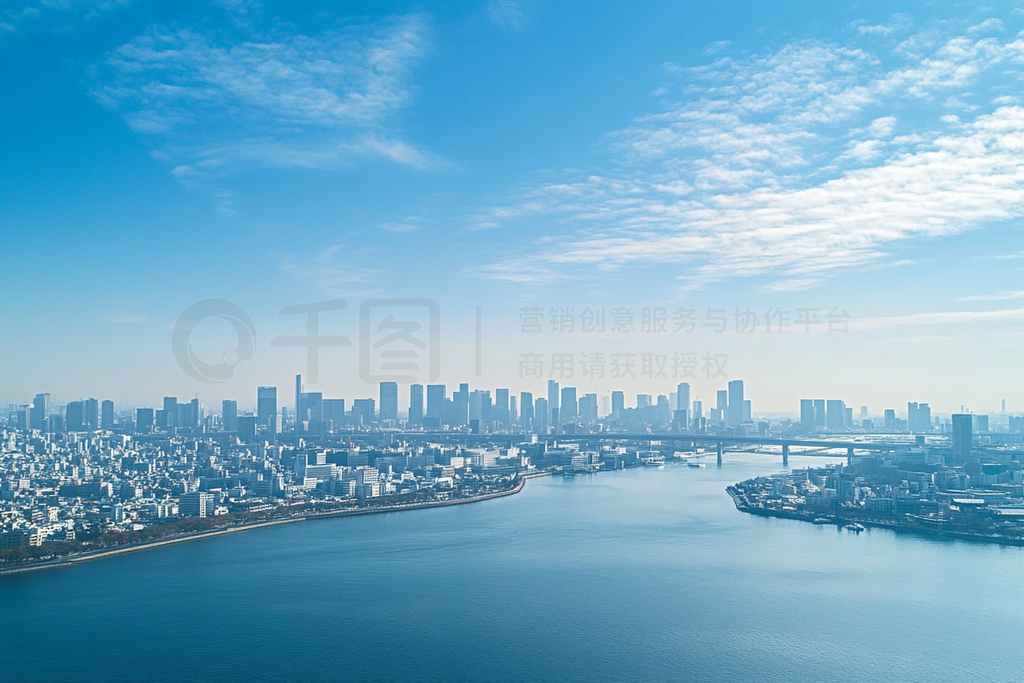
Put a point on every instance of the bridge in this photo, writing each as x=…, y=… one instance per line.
x=675, y=438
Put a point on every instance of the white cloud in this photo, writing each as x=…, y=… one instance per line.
x=775, y=175
x=127, y=319
x=998, y=296
x=506, y=14
x=939, y=318
x=214, y=106
x=334, y=269
x=61, y=15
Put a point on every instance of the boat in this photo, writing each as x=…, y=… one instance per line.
x=856, y=528
x=821, y=520
x=695, y=465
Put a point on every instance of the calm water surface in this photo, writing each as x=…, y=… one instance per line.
x=643, y=575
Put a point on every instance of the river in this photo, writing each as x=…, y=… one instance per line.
x=638, y=575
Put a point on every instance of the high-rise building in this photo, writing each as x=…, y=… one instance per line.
x=698, y=413
x=107, y=415
x=480, y=406
x=500, y=412
x=819, y=412
x=919, y=417
x=721, y=409
x=567, y=408
x=553, y=401
x=618, y=404
x=333, y=413
x=266, y=408
x=364, y=411
x=735, y=414
x=170, y=414
x=981, y=424
x=229, y=416
x=526, y=412
x=963, y=438
x=664, y=409
x=436, y=395
x=298, y=403
x=807, y=415
x=247, y=428
x=311, y=410
x=74, y=416
x=460, y=405
x=143, y=420
x=91, y=414
x=388, y=401
x=541, y=414
x=682, y=397
x=40, y=410
x=587, y=407
x=835, y=415
x=890, y=420
x=513, y=411
x=415, y=405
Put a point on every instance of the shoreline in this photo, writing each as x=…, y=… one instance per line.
x=891, y=526
x=71, y=561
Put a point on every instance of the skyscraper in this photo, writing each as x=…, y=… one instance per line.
x=415, y=405
x=436, y=394
x=819, y=412
x=229, y=416
x=587, y=408
x=526, y=413
x=807, y=415
x=298, y=404
x=735, y=414
x=91, y=414
x=247, y=428
x=835, y=415
x=388, y=401
x=170, y=412
x=618, y=403
x=721, y=405
x=963, y=438
x=74, y=416
x=40, y=411
x=682, y=397
x=333, y=412
x=567, y=408
x=107, y=415
x=919, y=417
x=266, y=408
x=500, y=411
x=541, y=413
x=552, y=402
x=143, y=420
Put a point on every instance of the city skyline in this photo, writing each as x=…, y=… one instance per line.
x=496, y=408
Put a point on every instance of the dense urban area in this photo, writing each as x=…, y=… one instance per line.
x=87, y=479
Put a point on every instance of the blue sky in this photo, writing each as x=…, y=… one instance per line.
x=863, y=158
